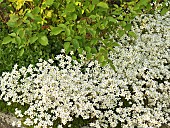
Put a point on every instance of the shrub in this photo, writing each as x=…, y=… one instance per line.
x=137, y=95
x=74, y=25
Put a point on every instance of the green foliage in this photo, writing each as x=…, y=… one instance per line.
x=33, y=29
x=78, y=25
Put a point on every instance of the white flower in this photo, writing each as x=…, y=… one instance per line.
x=138, y=91
x=13, y=124
x=71, y=53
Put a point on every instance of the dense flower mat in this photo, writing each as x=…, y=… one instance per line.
x=136, y=95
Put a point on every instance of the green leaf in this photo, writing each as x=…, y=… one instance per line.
x=36, y=10
x=70, y=7
x=80, y=50
x=22, y=33
x=93, y=42
x=95, y=1
x=12, y=34
x=33, y=39
x=94, y=50
x=62, y=26
x=128, y=27
x=13, y=21
x=115, y=44
x=123, y=23
x=92, y=32
x=143, y=2
x=18, y=40
x=103, y=5
x=21, y=52
x=88, y=49
x=43, y=40
x=89, y=56
x=164, y=11
x=7, y=40
x=132, y=34
x=56, y=30
x=82, y=31
x=49, y=2
x=68, y=39
x=74, y=16
x=66, y=45
x=111, y=65
x=111, y=19
x=67, y=31
x=115, y=5
x=91, y=7
x=74, y=58
x=75, y=44
x=14, y=18
x=120, y=17
x=28, y=14
x=102, y=50
x=121, y=32
x=104, y=63
x=1, y=1
x=79, y=26
x=101, y=58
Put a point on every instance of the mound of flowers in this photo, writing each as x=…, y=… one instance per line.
x=136, y=95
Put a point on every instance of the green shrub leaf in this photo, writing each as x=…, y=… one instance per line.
x=132, y=34
x=7, y=40
x=56, y=30
x=43, y=40
x=101, y=58
x=88, y=49
x=164, y=11
x=103, y=5
x=66, y=45
x=49, y=2
x=75, y=44
x=12, y=34
x=33, y=39
x=18, y=40
x=111, y=19
x=21, y=52
x=89, y=56
x=121, y=32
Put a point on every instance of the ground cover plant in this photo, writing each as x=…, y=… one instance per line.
x=136, y=94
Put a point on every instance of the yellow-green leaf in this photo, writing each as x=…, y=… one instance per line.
x=43, y=40
x=49, y=2
x=66, y=45
x=103, y=5
x=33, y=39
x=7, y=40
x=101, y=58
x=88, y=49
x=56, y=30
x=21, y=52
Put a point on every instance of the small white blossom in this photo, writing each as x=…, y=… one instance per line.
x=136, y=95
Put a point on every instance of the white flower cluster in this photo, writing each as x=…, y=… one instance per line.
x=137, y=95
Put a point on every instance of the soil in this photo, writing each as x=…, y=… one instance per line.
x=6, y=120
